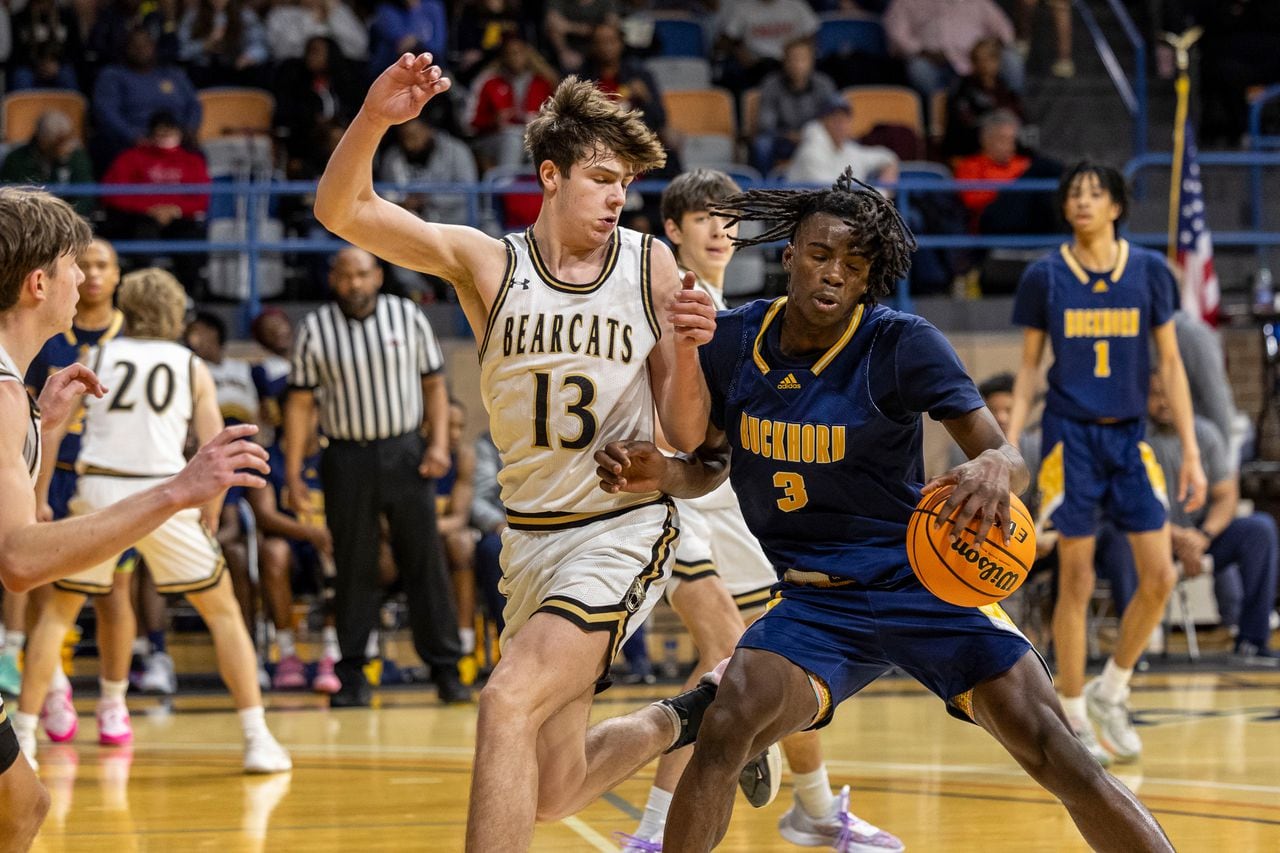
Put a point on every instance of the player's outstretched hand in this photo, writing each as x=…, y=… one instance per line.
x=401, y=91
x=229, y=459
x=62, y=393
x=981, y=489
x=692, y=313
x=1192, y=485
x=630, y=466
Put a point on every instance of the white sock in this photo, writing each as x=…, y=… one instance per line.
x=813, y=791
x=13, y=642
x=112, y=691
x=371, y=646
x=329, y=636
x=253, y=722
x=141, y=646
x=25, y=724
x=467, y=637
x=285, y=643
x=59, y=681
x=655, y=814
x=1114, y=684
x=1075, y=710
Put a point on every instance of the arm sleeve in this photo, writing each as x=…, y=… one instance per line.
x=430, y=358
x=303, y=371
x=929, y=375
x=1031, y=303
x=1164, y=293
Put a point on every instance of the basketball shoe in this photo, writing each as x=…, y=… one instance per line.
x=264, y=754
x=326, y=680
x=159, y=677
x=10, y=675
x=842, y=830
x=114, y=727
x=58, y=716
x=1115, y=725
x=290, y=674
x=1083, y=730
x=762, y=777
x=635, y=844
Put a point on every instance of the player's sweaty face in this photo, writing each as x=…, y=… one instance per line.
x=592, y=195
x=829, y=269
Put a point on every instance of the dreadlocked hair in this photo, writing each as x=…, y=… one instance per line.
x=874, y=219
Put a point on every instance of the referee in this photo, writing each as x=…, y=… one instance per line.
x=372, y=365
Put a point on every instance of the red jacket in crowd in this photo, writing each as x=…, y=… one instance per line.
x=149, y=164
x=497, y=97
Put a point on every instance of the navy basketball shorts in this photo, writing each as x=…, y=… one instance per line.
x=1091, y=468
x=846, y=637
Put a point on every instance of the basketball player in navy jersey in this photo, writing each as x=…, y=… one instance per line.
x=1099, y=302
x=40, y=239
x=817, y=396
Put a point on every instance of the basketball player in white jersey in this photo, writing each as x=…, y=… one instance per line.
x=722, y=579
x=134, y=437
x=40, y=238
x=582, y=328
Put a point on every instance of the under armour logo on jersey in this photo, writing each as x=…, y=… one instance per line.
x=1100, y=286
x=523, y=284
x=789, y=383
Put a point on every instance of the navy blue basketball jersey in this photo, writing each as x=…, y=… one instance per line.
x=827, y=460
x=1099, y=325
x=59, y=352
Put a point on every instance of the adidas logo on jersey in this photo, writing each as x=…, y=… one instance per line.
x=789, y=383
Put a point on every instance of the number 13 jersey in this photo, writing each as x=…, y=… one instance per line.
x=563, y=372
x=139, y=427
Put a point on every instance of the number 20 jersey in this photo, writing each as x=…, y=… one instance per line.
x=139, y=427
x=563, y=372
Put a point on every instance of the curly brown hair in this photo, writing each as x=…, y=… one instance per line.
x=581, y=123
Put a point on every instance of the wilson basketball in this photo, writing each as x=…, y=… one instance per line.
x=960, y=572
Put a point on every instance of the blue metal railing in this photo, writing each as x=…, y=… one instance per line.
x=1132, y=93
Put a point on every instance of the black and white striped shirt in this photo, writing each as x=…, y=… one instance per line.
x=367, y=374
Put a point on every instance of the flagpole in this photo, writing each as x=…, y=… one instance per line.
x=1182, y=89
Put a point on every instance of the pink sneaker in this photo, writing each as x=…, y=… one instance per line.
x=290, y=674
x=59, y=716
x=326, y=680
x=114, y=728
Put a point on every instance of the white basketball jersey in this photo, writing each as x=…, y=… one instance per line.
x=31, y=447
x=237, y=395
x=563, y=372
x=139, y=427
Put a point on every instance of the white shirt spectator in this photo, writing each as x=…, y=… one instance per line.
x=820, y=159
x=766, y=26
x=290, y=27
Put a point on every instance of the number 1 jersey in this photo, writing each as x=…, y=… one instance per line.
x=564, y=371
x=139, y=427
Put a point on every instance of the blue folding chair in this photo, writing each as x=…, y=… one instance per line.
x=837, y=36
x=679, y=37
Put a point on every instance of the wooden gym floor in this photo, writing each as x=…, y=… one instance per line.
x=395, y=777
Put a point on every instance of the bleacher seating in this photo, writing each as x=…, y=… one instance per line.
x=22, y=110
x=679, y=37
x=841, y=34
x=233, y=110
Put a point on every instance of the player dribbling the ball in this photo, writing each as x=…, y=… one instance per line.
x=818, y=398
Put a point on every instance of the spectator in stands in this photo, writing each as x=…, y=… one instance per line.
x=1206, y=367
x=160, y=159
x=1244, y=548
x=789, y=99
x=479, y=29
x=1061, y=10
x=314, y=94
x=53, y=156
x=292, y=24
x=827, y=146
x=994, y=212
x=411, y=26
x=223, y=43
x=127, y=95
x=569, y=25
x=935, y=38
x=455, y=492
x=617, y=72
x=752, y=37
x=1241, y=48
x=976, y=96
x=274, y=333
x=506, y=96
x=46, y=42
x=109, y=36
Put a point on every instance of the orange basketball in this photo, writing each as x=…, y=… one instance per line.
x=960, y=572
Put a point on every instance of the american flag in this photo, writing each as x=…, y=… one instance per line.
x=1200, y=294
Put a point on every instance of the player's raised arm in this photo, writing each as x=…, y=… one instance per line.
x=347, y=205
x=688, y=321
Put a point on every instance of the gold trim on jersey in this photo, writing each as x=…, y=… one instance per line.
x=83, y=587
x=611, y=261
x=561, y=520
x=687, y=571
x=500, y=299
x=196, y=586
x=827, y=357
x=113, y=328
x=646, y=285
x=1083, y=276
x=753, y=599
x=95, y=471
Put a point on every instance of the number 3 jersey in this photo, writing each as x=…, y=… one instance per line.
x=563, y=372
x=139, y=427
x=826, y=447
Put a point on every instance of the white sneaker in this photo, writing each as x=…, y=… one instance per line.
x=27, y=742
x=263, y=754
x=1083, y=731
x=159, y=676
x=843, y=830
x=762, y=777
x=1115, y=726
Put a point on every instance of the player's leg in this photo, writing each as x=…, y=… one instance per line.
x=1020, y=710
x=43, y=658
x=24, y=802
x=1250, y=544
x=1070, y=635
x=116, y=629
x=151, y=613
x=460, y=557
x=275, y=562
x=762, y=698
x=15, y=636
